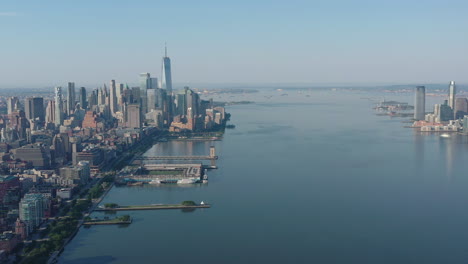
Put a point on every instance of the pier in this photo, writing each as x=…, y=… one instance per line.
x=212, y=157
x=105, y=222
x=152, y=207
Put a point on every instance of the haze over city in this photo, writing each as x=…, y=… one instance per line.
x=233, y=132
x=47, y=43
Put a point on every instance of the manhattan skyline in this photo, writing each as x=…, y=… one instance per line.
x=211, y=42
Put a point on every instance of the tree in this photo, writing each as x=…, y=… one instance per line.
x=188, y=203
x=124, y=218
x=111, y=205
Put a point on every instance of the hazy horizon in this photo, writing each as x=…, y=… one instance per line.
x=50, y=43
x=209, y=86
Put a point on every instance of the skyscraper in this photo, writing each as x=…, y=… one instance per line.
x=154, y=83
x=83, y=102
x=181, y=101
x=34, y=108
x=113, y=98
x=166, y=79
x=420, y=103
x=461, y=107
x=145, y=84
x=12, y=102
x=92, y=99
x=58, y=106
x=145, y=81
x=50, y=112
x=119, y=87
x=445, y=112
x=71, y=98
x=452, y=94
x=151, y=98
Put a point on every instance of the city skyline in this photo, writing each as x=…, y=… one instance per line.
x=274, y=42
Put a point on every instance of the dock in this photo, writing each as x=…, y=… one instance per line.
x=106, y=222
x=151, y=207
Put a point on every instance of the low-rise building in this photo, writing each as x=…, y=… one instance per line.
x=9, y=241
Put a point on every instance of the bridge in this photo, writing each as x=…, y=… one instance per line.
x=212, y=157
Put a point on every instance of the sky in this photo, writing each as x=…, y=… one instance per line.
x=48, y=43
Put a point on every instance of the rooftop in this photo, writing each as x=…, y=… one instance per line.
x=6, y=178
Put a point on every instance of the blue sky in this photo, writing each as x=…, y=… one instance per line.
x=46, y=43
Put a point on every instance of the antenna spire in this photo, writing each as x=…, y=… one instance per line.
x=165, y=49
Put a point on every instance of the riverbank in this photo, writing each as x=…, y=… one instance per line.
x=117, y=164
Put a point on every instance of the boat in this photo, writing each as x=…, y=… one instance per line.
x=157, y=181
x=187, y=181
x=445, y=135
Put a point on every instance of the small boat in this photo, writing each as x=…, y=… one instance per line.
x=445, y=135
x=157, y=181
x=186, y=181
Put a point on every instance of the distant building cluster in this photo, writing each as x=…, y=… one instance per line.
x=53, y=145
x=450, y=116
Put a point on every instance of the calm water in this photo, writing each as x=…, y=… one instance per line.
x=317, y=179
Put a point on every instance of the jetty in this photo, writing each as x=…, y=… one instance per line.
x=184, y=205
x=106, y=222
x=152, y=207
x=122, y=220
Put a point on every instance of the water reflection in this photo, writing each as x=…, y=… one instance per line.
x=419, y=152
x=447, y=146
x=450, y=152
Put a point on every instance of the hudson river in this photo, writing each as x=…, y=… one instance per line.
x=310, y=177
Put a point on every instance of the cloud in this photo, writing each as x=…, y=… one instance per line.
x=9, y=14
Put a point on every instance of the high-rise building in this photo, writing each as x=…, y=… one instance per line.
x=83, y=98
x=85, y=170
x=136, y=96
x=445, y=112
x=193, y=101
x=133, y=118
x=420, y=103
x=31, y=210
x=93, y=99
x=461, y=107
x=34, y=108
x=113, y=98
x=154, y=83
x=151, y=98
x=50, y=112
x=452, y=94
x=71, y=98
x=166, y=78
x=145, y=81
x=101, y=97
x=465, y=124
x=181, y=99
x=145, y=84
x=119, y=87
x=12, y=103
x=58, y=107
